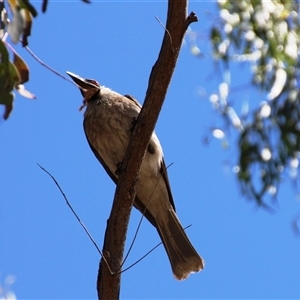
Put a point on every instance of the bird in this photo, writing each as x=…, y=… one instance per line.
x=108, y=122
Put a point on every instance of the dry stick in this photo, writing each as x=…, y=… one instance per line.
x=148, y=253
x=5, y=36
x=78, y=219
x=159, y=21
x=141, y=258
x=10, y=47
x=48, y=67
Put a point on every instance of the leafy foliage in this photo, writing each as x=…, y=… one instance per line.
x=265, y=34
x=14, y=73
x=22, y=14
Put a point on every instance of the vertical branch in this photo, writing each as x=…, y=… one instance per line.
x=108, y=285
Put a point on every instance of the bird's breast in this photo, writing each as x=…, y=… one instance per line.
x=108, y=130
x=108, y=126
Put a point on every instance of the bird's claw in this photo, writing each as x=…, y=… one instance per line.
x=133, y=123
x=119, y=170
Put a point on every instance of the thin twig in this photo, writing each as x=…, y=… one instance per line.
x=136, y=262
x=36, y=58
x=159, y=21
x=48, y=67
x=5, y=36
x=78, y=219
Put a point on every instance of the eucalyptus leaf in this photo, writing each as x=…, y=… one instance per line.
x=15, y=27
x=7, y=100
x=3, y=65
x=27, y=5
x=22, y=68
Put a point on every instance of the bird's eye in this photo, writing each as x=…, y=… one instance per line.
x=93, y=82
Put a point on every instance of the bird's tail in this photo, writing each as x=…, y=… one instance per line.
x=183, y=257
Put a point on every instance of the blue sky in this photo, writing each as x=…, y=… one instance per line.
x=249, y=252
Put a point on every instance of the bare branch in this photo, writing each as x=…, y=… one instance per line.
x=75, y=214
x=108, y=285
x=44, y=64
x=159, y=21
x=145, y=255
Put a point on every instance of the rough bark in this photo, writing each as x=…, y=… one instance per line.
x=108, y=285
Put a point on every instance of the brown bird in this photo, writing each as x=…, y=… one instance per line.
x=108, y=121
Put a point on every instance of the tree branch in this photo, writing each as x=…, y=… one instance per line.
x=108, y=285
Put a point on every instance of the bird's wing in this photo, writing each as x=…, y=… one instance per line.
x=163, y=169
x=108, y=171
x=137, y=202
x=164, y=174
x=134, y=100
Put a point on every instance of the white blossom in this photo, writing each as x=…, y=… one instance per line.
x=279, y=82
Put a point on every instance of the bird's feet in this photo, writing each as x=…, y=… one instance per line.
x=133, y=123
x=119, y=170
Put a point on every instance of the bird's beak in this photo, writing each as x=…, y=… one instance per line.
x=81, y=82
x=88, y=88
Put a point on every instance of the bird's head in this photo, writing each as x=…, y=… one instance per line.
x=89, y=88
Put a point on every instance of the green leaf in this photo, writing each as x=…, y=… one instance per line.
x=13, y=77
x=3, y=52
x=27, y=5
x=7, y=100
x=3, y=65
x=15, y=27
x=22, y=68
